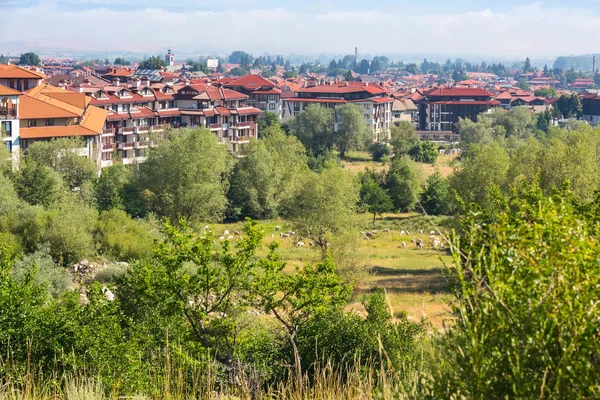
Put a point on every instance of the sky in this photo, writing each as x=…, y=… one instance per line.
x=503, y=29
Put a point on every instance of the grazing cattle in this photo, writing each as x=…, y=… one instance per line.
x=226, y=232
x=272, y=236
x=311, y=244
x=374, y=231
x=284, y=235
x=386, y=230
x=403, y=244
x=420, y=231
x=108, y=294
x=300, y=244
x=407, y=233
x=229, y=237
x=403, y=232
x=277, y=228
x=369, y=234
x=432, y=232
x=413, y=241
x=236, y=233
x=222, y=238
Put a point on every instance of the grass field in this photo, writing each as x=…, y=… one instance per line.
x=359, y=161
x=412, y=278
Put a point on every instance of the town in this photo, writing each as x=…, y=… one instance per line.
x=114, y=108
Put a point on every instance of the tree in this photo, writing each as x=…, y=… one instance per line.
x=295, y=298
x=62, y=155
x=348, y=76
x=403, y=183
x=314, y=128
x=237, y=56
x=522, y=84
x=290, y=74
x=412, y=68
x=375, y=66
x=186, y=177
x=195, y=66
x=373, y=196
x=362, y=67
x=110, y=187
x=425, y=152
x=403, y=137
x=527, y=67
x=152, y=63
x=546, y=92
x=379, y=151
x=303, y=69
x=29, y=59
x=238, y=71
x=569, y=106
x=125, y=239
x=266, y=120
x=323, y=205
x=546, y=71
x=121, y=61
x=2, y=59
x=353, y=132
x=382, y=61
x=435, y=199
x=38, y=184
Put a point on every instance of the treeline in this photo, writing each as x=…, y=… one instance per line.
x=578, y=63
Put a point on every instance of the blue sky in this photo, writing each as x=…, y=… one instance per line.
x=500, y=28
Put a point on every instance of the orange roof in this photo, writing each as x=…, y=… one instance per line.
x=94, y=119
x=79, y=100
x=16, y=72
x=5, y=91
x=33, y=108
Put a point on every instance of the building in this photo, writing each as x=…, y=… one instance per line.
x=223, y=111
x=591, y=108
x=374, y=100
x=404, y=110
x=262, y=93
x=135, y=112
x=169, y=59
x=18, y=78
x=9, y=119
x=47, y=112
x=441, y=108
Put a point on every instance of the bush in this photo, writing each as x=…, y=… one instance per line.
x=40, y=264
x=425, y=152
x=379, y=151
x=123, y=238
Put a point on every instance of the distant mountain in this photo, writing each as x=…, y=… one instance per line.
x=578, y=63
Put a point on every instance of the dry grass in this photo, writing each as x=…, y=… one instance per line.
x=412, y=278
x=359, y=161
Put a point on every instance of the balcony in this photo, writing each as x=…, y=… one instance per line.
x=8, y=113
x=127, y=130
x=125, y=145
x=108, y=147
x=215, y=127
x=141, y=145
x=141, y=129
x=240, y=139
x=109, y=131
x=158, y=128
x=243, y=125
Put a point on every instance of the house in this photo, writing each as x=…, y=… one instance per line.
x=404, y=110
x=441, y=108
x=18, y=78
x=221, y=110
x=262, y=93
x=591, y=108
x=376, y=104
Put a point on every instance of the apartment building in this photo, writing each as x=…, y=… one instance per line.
x=47, y=112
x=9, y=120
x=223, y=111
x=18, y=78
x=374, y=100
x=441, y=108
x=262, y=93
x=134, y=113
x=591, y=108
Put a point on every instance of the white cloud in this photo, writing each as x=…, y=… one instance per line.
x=532, y=29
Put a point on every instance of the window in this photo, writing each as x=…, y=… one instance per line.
x=271, y=97
x=271, y=106
x=7, y=125
x=8, y=146
x=32, y=122
x=366, y=116
x=49, y=122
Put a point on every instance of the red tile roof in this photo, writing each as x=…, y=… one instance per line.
x=250, y=82
x=345, y=87
x=466, y=92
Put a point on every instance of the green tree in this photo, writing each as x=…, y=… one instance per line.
x=186, y=177
x=522, y=84
x=121, y=61
x=435, y=198
x=403, y=183
x=290, y=74
x=239, y=71
x=348, y=76
x=266, y=120
x=2, y=59
x=237, y=56
x=527, y=66
x=323, y=205
x=152, y=62
x=110, y=187
x=30, y=58
x=546, y=92
x=314, y=128
x=425, y=152
x=362, y=67
x=62, y=155
x=44, y=270
x=403, y=137
x=353, y=132
x=412, y=68
x=373, y=197
x=38, y=184
x=569, y=106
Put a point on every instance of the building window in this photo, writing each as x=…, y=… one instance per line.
x=32, y=122
x=6, y=127
x=271, y=97
x=366, y=116
x=8, y=146
x=271, y=106
x=49, y=122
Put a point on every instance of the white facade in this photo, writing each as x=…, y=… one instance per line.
x=9, y=125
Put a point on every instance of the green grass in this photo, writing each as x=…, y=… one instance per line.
x=411, y=277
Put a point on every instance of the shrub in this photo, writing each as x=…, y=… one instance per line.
x=379, y=151
x=123, y=238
